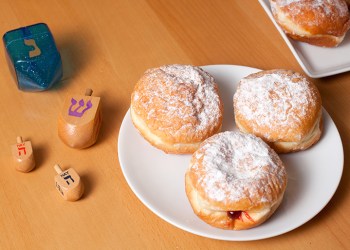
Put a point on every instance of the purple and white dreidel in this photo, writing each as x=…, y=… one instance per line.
x=80, y=120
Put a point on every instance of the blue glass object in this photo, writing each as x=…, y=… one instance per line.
x=33, y=57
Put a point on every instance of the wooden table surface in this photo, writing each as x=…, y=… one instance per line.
x=106, y=45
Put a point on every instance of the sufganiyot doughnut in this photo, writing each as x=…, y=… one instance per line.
x=321, y=23
x=282, y=107
x=176, y=107
x=235, y=181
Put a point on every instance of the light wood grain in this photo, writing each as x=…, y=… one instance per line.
x=106, y=45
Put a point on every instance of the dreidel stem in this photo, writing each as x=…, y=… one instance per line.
x=19, y=139
x=57, y=168
x=88, y=92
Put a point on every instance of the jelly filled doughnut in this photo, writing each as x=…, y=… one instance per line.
x=321, y=23
x=235, y=181
x=176, y=107
x=280, y=106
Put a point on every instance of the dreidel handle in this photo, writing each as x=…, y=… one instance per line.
x=58, y=168
x=88, y=92
x=19, y=139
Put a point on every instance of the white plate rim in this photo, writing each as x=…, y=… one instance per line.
x=160, y=213
x=297, y=54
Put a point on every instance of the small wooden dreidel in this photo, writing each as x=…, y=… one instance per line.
x=33, y=57
x=80, y=120
x=23, y=155
x=68, y=184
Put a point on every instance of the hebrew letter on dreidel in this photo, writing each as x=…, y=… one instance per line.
x=81, y=104
x=68, y=177
x=36, y=51
x=21, y=147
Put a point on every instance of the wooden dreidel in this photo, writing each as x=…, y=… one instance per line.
x=68, y=184
x=80, y=120
x=23, y=155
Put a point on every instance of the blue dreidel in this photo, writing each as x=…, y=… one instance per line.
x=33, y=57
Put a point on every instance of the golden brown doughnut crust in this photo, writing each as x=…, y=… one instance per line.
x=176, y=107
x=280, y=106
x=238, y=173
x=321, y=23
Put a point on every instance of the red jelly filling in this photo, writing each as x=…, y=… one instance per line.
x=234, y=214
x=238, y=215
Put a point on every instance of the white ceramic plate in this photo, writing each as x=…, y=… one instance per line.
x=316, y=61
x=157, y=178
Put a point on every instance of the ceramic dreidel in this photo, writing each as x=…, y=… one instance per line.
x=23, y=155
x=80, y=120
x=68, y=184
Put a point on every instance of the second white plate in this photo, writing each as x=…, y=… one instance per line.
x=316, y=61
x=157, y=178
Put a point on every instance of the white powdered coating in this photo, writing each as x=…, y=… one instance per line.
x=183, y=98
x=322, y=9
x=277, y=101
x=238, y=166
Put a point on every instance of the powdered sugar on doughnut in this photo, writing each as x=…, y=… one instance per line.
x=276, y=101
x=325, y=6
x=323, y=10
x=231, y=166
x=182, y=98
